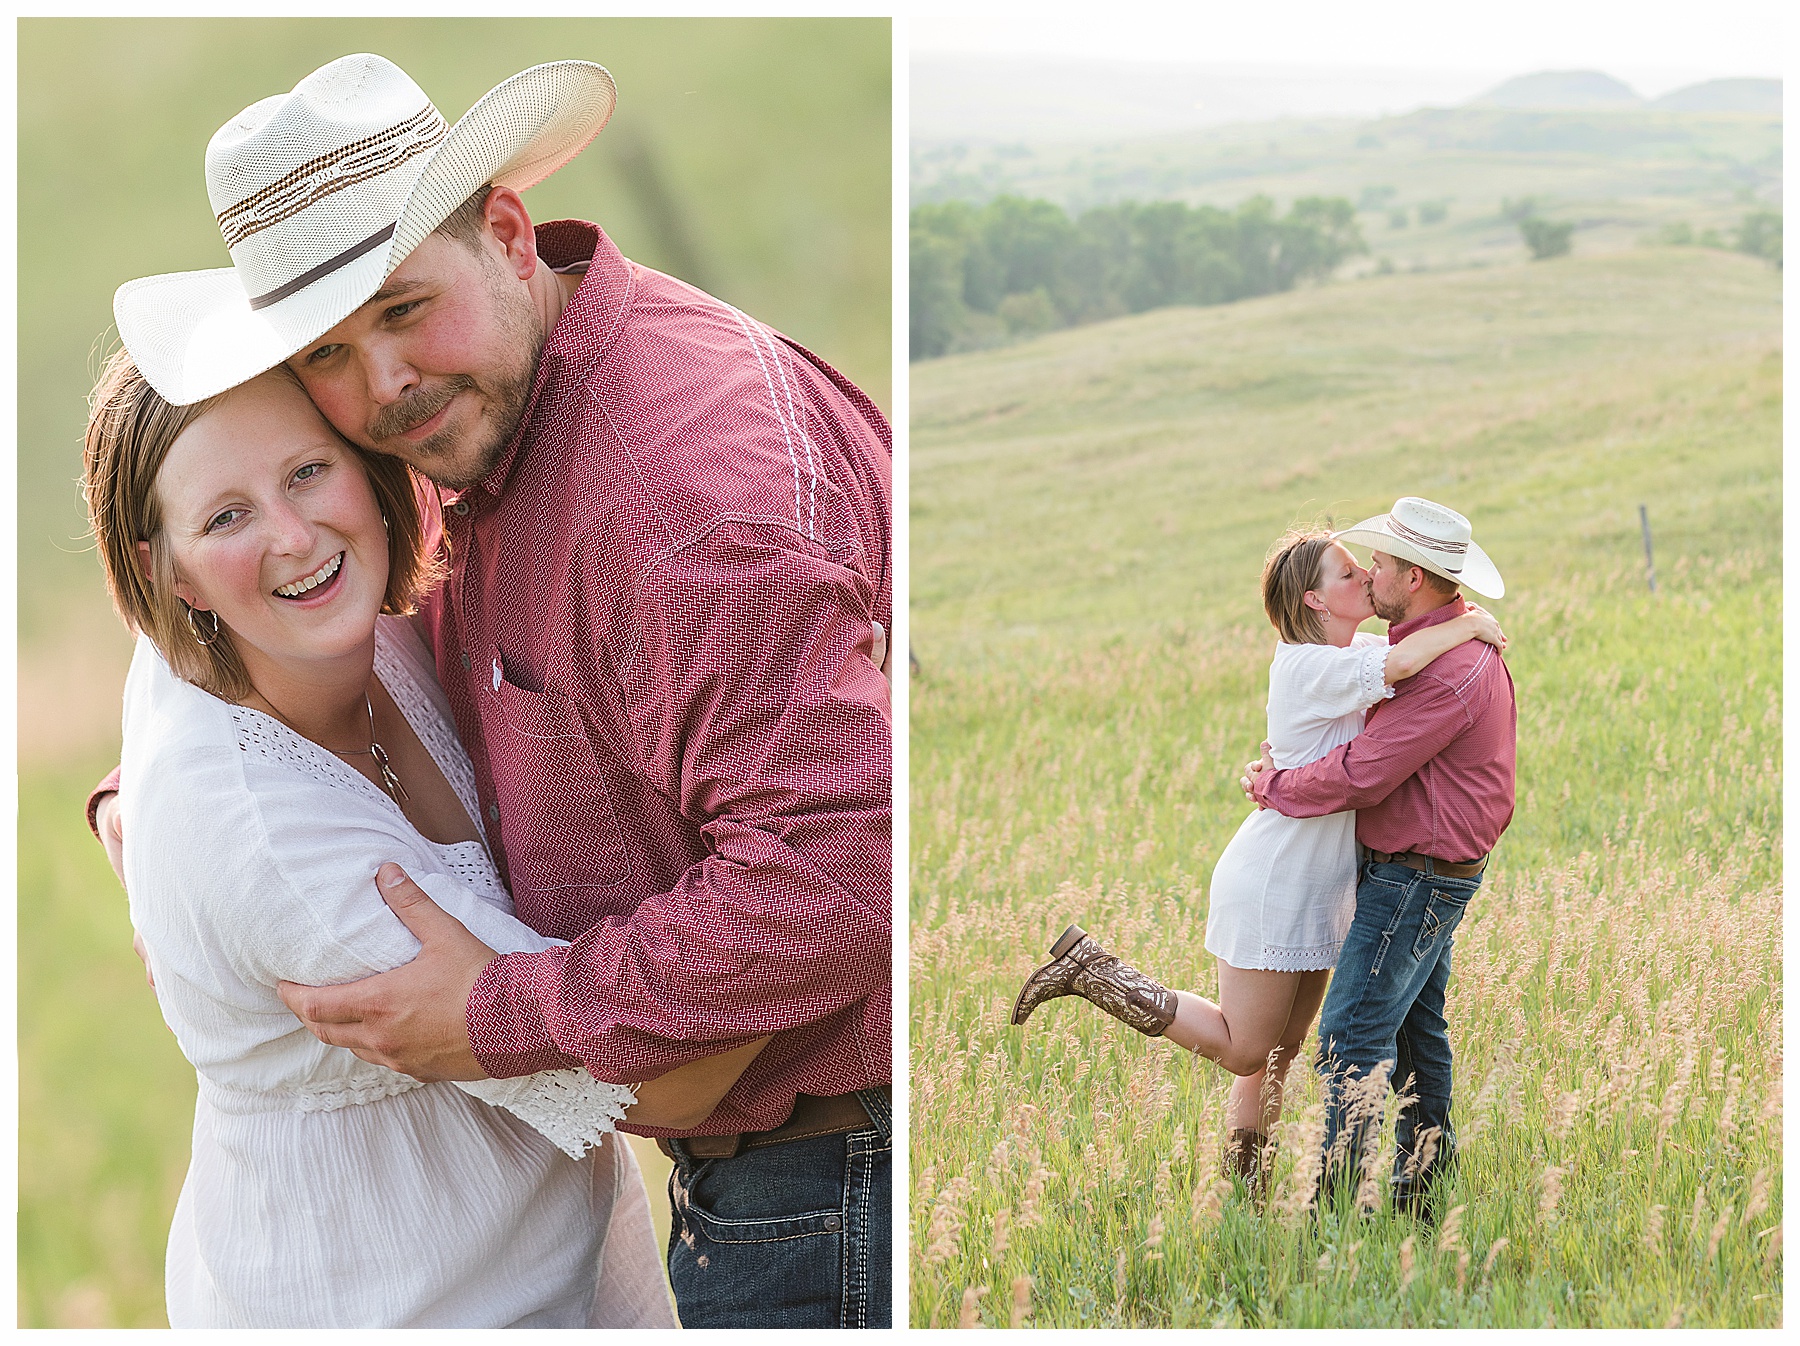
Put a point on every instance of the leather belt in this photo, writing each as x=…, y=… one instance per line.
x=1430, y=864
x=812, y=1116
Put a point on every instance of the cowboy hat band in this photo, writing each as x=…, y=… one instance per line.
x=1431, y=535
x=320, y=193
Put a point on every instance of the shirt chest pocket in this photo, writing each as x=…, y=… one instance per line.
x=557, y=823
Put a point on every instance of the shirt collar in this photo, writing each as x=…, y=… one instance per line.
x=1401, y=630
x=570, y=350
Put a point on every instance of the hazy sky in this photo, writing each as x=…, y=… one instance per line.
x=1653, y=45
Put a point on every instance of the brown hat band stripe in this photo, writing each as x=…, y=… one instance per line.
x=331, y=173
x=325, y=268
x=1406, y=534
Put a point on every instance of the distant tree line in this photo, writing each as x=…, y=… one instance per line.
x=1016, y=267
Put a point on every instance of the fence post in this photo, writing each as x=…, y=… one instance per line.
x=1649, y=560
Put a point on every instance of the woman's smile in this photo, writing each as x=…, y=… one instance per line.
x=316, y=587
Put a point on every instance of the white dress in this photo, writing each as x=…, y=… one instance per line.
x=1284, y=890
x=324, y=1191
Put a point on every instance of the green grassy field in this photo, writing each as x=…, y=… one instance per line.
x=1617, y=174
x=1090, y=512
x=749, y=156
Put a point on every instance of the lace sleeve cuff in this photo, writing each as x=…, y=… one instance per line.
x=570, y=1108
x=1372, y=675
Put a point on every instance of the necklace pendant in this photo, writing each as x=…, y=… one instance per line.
x=388, y=779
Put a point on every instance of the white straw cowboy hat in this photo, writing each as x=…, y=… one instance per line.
x=321, y=192
x=1430, y=535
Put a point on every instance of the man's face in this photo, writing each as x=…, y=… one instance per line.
x=1388, y=586
x=435, y=369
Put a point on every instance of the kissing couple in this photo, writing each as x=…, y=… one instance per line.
x=506, y=749
x=1385, y=782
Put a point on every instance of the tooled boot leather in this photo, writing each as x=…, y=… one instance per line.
x=1079, y=966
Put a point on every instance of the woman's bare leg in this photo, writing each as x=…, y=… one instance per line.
x=1256, y=1099
x=1245, y=1025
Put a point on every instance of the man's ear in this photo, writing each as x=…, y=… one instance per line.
x=510, y=224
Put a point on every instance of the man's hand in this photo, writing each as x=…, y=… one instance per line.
x=1252, y=771
x=112, y=833
x=413, y=1019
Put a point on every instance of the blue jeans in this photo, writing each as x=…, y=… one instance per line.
x=1385, y=1007
x=791, y=1235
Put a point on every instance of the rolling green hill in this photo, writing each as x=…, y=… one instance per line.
x=1619, y=174
x=1090, y=511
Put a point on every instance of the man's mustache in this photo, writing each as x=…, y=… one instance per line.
x=414, y=410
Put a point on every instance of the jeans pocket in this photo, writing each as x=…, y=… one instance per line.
x=1444, y=908
x=1401, y=896
x=759, y=1239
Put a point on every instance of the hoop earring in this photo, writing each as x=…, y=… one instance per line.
x=194, y=627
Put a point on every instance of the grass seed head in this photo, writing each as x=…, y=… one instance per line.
x=971, y=1307
x=1021, y=1300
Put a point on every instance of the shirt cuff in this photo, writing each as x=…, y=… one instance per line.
x=507, y=1028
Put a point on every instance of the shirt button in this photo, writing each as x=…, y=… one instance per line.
x=465, y=661
x=460, y=507
x=493, y=813
x=833, y=1223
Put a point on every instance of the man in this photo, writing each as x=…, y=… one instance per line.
x=1431, y=780
x=668, y=529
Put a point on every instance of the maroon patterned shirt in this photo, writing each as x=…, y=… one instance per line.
x=656, y=640
x=1432, y=772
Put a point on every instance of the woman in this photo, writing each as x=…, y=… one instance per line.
x=1284, y=889
x=284, y=739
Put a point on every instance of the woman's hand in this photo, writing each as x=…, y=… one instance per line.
x=1482, y=623
x=1254, y=769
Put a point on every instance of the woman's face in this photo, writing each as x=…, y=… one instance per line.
x=1342, y=587
x=272, y=524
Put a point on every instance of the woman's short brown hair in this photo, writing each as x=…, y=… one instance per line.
x=130, y=431
x=1292, y=568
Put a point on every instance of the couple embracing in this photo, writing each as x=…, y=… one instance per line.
x=1385, y=782
x=507, y=745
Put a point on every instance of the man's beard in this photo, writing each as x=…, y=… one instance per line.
x=1388, y=612
x=450, y=459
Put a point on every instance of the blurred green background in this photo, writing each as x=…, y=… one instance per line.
x=748, y=156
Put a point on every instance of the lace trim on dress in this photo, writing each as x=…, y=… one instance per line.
x=1372, y=674
x=1315, y=958
x=570, y=1108
x=370, y=1088
x=439, y=738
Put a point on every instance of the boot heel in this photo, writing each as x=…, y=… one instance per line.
x=1068, y=940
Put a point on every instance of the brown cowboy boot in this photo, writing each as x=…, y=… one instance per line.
x=1245, y=1158
x=1079, y=966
